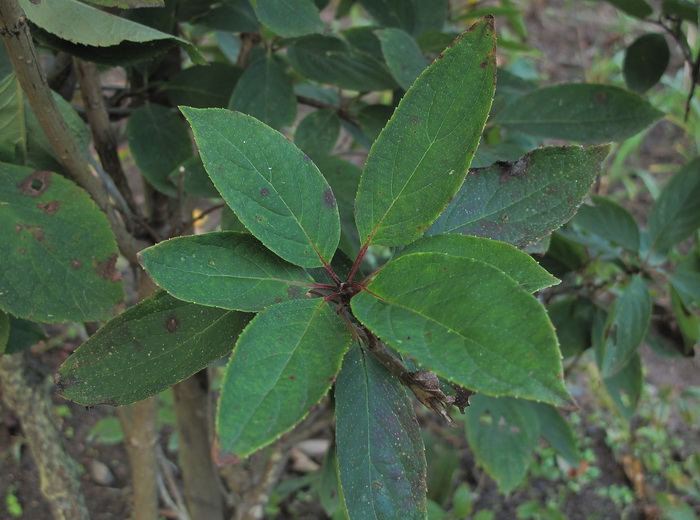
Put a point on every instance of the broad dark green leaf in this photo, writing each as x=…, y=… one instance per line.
x=381, y=457
x=373, y=119
x=317, y=133
x=127, y=4
x=265, y=92
x=688, y=323
x=686, y=279
x=558, y=432
x=688, y=10
x=4, y=331
x=676, y=213
x=343, y=177
x=83, y=25
x=224, y=269
x=330, y=60
x=194, y=178
x=232, y=16
x=271, y=185
x=146, y=349
x=419, y=161
x=518, y=265
x=646, y=61
x=285, y=361
x=572, y=318
x=402, y=55
x=289, y=17
x=522, y=202
x=503, y=434
x=579, y=112
x=329, y=485
x=637, y=8
x=23, y=334
x=413, y=16
x=58, y=252
x=625, y=328
x=159, y=142
x=203, y=86
x=611, y=221
x=625, y=387
x=468, y=322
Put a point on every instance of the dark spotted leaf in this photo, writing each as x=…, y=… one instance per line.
x=522, y=202
x=58, y=252
x=272, y=186
x=381, y=457
x=224, y=269
x=146, y=349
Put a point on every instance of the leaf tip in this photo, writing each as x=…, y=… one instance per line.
x=221, y=458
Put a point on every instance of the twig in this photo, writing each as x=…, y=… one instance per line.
x=342, y=113
x=25, y=62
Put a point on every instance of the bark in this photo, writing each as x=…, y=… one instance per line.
x=201, y=478
x=26, y=392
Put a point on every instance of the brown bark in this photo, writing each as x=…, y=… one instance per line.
x=25, y=390
x=201, y=478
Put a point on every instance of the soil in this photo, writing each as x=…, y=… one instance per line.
x=571, y=36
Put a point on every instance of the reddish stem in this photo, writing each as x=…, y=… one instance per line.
x=356, y=265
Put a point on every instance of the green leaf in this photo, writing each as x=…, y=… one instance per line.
x=146, y=349
x=503, y=434
x=23, y=334
x=330, y=60
x=625, y=387
x=40, y=152
x=688, y=323
x=579, y=112
x=4, y=331
x=413, y=16
x=12, y=119
x=646, y=61
x=265, y=92
x=572, y=318
x=127, y=4
x=518, y=265
x=343, y=176
x=380, y=451
x=684, y=9
x=231, y=16
x=611, y=221
x=203, y=86
x=625, y=327
x=289, y=18
x=83, y=25
x=558, y=432
x=419, y=160
x=522, y=202
x=676, y=213
x=402, y=55
x=686, y=279
x=317, y=133
x=284, y=363
x=637, y=8
x=223, y=269
x=58, y=250
x=273, y=188
x=466, y=321
x=159, y=142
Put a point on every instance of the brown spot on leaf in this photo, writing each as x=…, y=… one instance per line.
x=293, y=378
x=484, y=64
x=75, y=263
x=293, y=291
x=50, y=208
x=601, y=98
x=38, y=234
x=61, y=384
x=505, y=218
x=329, y=198
x=510, y=170
x=35, y=183
x=172, y=323
x=22, y=250
x=107, y=269
x=264, y=192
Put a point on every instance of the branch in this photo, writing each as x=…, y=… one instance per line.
x=342, y=113
x=25, y=62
